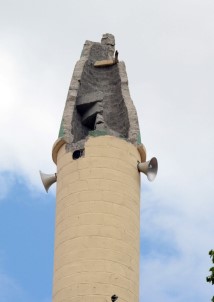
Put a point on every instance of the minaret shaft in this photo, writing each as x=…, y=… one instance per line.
x=98, y=155
x=97, y=222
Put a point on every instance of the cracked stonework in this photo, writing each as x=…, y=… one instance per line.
x=98, y=99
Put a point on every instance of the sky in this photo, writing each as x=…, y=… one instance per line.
x=168, y=49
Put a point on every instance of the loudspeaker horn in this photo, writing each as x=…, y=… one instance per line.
x=150, y=168
x=48, y=179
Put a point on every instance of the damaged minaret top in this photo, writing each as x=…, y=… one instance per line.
x=98, y=101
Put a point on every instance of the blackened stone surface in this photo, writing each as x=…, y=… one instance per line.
x=85, y=101
x=98, y=98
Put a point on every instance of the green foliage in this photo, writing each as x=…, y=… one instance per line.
x=210, y=278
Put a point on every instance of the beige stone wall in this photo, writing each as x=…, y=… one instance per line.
x=97, y=223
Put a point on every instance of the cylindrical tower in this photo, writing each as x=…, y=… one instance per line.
x=97, y=222
x=98, y=156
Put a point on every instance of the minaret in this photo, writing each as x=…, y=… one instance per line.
x=98, y=156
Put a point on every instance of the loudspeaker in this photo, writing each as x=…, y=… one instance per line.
x=48, y=179
x=150, y=168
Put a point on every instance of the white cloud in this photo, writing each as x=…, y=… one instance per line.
x=10, y=290
x=27, y=117
x=6, y=183
x=174, y=280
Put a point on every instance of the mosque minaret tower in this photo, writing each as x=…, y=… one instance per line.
x=99, y=157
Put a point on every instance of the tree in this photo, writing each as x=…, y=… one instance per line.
x=210, y=278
